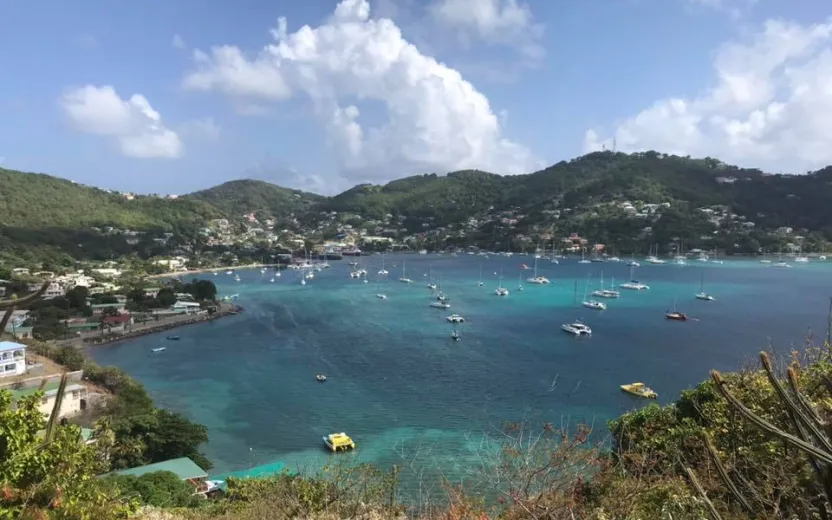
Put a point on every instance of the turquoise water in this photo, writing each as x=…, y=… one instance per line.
x=410, y=396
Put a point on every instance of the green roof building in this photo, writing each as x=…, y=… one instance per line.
x=183, y=467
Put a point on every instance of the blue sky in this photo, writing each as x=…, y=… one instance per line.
x=173, y=96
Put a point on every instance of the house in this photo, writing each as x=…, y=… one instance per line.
x=99, y=308
x=152, y=292
x=186, y=307
x=17, y=271
x=12, y=359
x=108, y=272
x=54, y=290
x=183, y=467
x=74, y=401
x=116, y=323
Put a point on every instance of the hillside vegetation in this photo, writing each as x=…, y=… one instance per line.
x=238, y=197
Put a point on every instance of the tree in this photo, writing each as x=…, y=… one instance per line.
x=160, y=489
x=5, y=274
x=201, y=290
x=175, y=436
x=52, y=473
x=166, y=297
x=77, y=297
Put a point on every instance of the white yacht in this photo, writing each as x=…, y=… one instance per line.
x=455, y=318
x=633, y=284
x=381, y=296
x=404, y=278
x=781, y=264
x=654, y=260
x=237, y=278
x=702, y=295
x=577, y=328
x=606, y=293
x=537, y=280
x=613, y=259
x=500, y=290
x=595, y=305
x=440, y=305
x=272, y=280
x=583, y=260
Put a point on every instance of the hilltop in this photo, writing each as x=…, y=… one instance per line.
x=604, y=196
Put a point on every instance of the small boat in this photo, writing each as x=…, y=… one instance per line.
x=639, y=390
x=577, y=328
x=455, y=318
x=633, y=284
x=500, y=290
x=676, y=314
x=381, y=296
x=159, y=349
x=272, y=280
x=702, y=295
x=237, y=278
x=404, y=278
x=440, y=305
x=595, y=305
x=321, y=378
x=455, y=336
x=302, y=281
x=339, y=442
x=172, y=338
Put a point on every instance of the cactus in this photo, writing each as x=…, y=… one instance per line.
x=11, y=304
x=702, y=494
x=811, y=435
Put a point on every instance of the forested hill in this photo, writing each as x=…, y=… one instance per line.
x=33, y=203
x=235, y=198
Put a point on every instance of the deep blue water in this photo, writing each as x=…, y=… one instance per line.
x=410, y=396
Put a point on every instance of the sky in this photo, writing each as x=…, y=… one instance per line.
x=172, y=96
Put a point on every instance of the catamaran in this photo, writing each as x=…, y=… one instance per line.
x=606, y=293
x=592, y=304
x=633, y=284
x=537, y=280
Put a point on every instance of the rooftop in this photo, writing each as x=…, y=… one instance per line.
x=107, y=305
x=183, y=467
x=50, y=389
x=10, y=345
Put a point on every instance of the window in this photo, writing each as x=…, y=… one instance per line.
x=10, y=368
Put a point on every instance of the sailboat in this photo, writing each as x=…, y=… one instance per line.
x=500, y=290
x=537, y=280
x=380, y=295
x=431, y=285
x=654, y=259
x=583, y=260
x=520, y=283
x=781, y=263
x=606, y=293
x=592, y=304
x=277, y=269
x=578, y=327
x=382, y=271
x=632, y=261
x=675, y=314
x=633, y=284
x=764, y=259
x=801, y=257
x=441, y=295
x=481, y=283
x=404, y=278
x=702, y=295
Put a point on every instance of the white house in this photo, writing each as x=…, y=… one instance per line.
x=12, y=359
x=54, y=290
x=186, y=307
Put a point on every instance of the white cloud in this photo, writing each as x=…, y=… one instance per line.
x=205, y=128
x=506, y=22
x=178, y=43
x=769, y=107
x=133, y=124
x=435, y=120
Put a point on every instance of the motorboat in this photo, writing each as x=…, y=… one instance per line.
x=455, y=336
x=577, y=328
x=159, y=349
x=654, y=260
x=538, y=280
x=381, y=296
x=613, y=259
x=440, y=305
x=237, y=278
x=320, y=378
x=455, y=318
x=172, y=338
x=271, y=280
x=781, y=265
x=339, y=442
x=595, y=305
x=639, y=390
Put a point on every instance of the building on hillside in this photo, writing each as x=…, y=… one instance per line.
x=151, y=292
x=99, y=308
x=185, y=307
x=12, y=359
x=73, y=403
x=116, y=323
x=183, y=467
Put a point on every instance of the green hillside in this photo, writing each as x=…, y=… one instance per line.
x=37, y=201
x=236, y=198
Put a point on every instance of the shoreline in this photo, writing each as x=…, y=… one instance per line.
x=114, y=337
x=172, y=274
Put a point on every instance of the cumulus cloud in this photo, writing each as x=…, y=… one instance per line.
x=435, y=119
x=133, y=124
x=504, y=22
x=768, y=108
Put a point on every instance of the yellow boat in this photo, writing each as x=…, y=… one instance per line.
x=640, y=390
x=339, y=441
